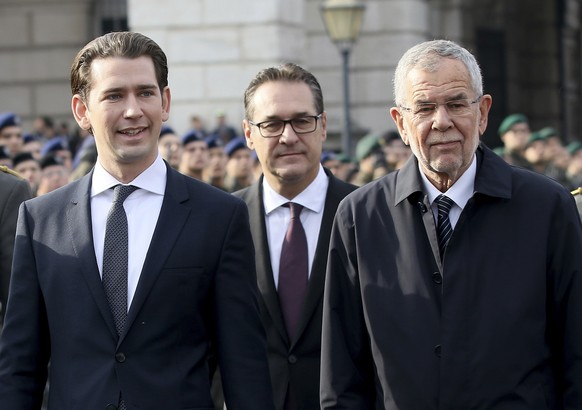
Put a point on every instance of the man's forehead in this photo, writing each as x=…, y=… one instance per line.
x=448, y=76
x=274, y=96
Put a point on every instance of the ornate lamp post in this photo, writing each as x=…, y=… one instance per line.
x=343, y=20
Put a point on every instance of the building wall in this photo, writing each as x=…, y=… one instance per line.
x=215, y=47
x=38, y=40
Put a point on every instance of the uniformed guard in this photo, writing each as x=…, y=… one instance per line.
x=13, y=190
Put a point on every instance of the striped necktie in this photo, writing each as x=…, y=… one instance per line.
x=444, y=228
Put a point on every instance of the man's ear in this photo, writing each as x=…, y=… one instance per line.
x=166, y=99
x=80, y=112
x=247, y=133
x=399, y=121
x=484, y=107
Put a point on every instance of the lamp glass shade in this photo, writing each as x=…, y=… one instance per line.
x=343, y=22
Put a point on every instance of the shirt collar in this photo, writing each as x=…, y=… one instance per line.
x=310, y=198
x=460, y=192
x=152, y=179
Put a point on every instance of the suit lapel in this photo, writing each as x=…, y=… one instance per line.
x=317, y=277
x=78, y=217
x=172, y=218
x=265, y=280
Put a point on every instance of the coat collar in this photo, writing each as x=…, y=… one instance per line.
x=493, y=177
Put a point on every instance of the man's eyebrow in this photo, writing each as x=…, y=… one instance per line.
x=458, y=96
x=279, y=117
x=139, y=87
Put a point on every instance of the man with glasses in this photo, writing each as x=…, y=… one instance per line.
x=286, y=125
x=455, y=282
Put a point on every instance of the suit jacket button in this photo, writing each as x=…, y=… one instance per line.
x=111, y=407
x=292, y=359
x=120, y=357
x=437, y=278
x=437, y=350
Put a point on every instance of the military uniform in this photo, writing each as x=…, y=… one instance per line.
x=13, y=190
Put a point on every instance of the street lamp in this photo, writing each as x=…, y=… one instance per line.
x=343, y=20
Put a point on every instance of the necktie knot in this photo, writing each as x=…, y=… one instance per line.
x=121, y=192
x=444, y=204
x=295, y=209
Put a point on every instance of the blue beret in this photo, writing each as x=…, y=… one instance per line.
x=26, y=138
x=326, y=156
x=8, y=119
x=49, y=160
x=166, y=130
x=54, y=144
x=234, y=145
x=191, y=136
x=510, y=121
x=22, y=157
x=214, y=141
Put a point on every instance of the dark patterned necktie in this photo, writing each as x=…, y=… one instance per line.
x=444, y=228
x=293, y=271
x=115, y=260
x=115, y=256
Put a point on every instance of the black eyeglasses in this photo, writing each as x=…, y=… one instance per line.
x=456, y=107
x=275, y=128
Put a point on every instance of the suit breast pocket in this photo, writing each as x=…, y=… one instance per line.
x=180, y=278
x=182, y=287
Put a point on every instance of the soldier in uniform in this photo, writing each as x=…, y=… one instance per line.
x=13, y=190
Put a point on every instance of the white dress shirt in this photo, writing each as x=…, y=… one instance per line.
x=460, y=192
x=142, y=208
x=277, y=217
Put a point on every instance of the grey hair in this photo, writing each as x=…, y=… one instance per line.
x=427, y=56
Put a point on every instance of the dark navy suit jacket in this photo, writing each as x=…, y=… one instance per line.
x=197, y=288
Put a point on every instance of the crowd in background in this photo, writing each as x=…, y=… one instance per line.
x=49, y=156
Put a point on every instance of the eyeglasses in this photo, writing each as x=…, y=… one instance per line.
x=455, y=108
x=275, y=128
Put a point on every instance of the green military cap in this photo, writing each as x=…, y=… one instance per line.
x=343, y=158
x=548, y=132
x=574, y=147
x=510, y=121
x=535, y=136
x=366, y=146
x=499, y=151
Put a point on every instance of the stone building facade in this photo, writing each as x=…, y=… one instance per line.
x=529, y=51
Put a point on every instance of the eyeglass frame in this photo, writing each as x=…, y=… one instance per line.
x=436, y=105
x=285, y=122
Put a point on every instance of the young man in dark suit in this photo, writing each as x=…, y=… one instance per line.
x=126, y=298
x=285, y=123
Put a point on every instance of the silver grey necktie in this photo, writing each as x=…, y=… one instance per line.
x=115, y=256
x=115, y=260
